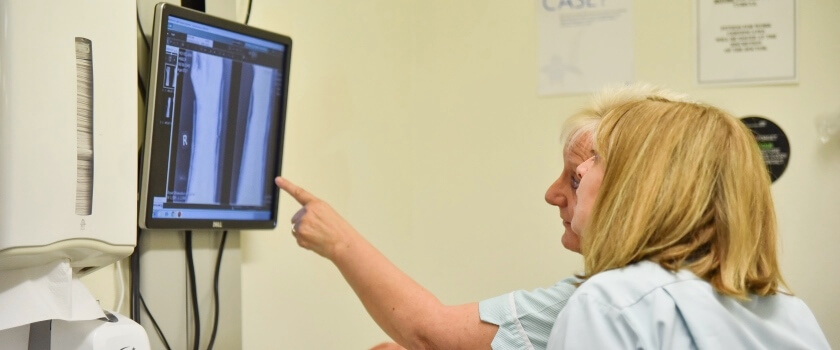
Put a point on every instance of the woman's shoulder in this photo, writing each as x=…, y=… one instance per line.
x=625, y=286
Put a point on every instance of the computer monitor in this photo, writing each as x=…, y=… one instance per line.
x=216, y=112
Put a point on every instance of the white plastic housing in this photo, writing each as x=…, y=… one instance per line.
x=120, y=333
x=40, y=148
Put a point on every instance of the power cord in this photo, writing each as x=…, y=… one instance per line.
x=193, y=292
x=142, y=87
x=121, y=284
x=134, y=264
x=143, y=32
x=248, y=14
x=216, y=290
x=154, y=323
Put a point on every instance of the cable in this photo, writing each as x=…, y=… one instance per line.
x=193, y=292
x=120, y=294
x=135, y=281
x=134, y=265
x=143, y=32
x=248, y=15
x=216, y=290
x=154, y=323
x=142, y=87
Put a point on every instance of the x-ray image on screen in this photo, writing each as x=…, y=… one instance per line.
x=214, y=139
x=220, y=156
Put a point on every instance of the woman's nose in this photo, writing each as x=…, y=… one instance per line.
x=554, y=195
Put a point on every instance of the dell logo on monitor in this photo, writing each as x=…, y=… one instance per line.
x=217, y=224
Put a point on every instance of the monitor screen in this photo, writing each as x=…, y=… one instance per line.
x=215, y=122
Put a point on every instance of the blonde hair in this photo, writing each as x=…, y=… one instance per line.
x=585, y=121
x=685, y=186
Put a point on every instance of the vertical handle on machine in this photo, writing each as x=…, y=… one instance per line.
x=84, y=127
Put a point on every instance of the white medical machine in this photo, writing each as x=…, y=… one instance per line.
x=68, y=168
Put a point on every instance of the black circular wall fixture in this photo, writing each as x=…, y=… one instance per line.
x=772, y=142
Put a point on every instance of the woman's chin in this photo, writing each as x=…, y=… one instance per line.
x=571, y=241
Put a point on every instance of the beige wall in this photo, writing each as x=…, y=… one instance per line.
x=419, y=122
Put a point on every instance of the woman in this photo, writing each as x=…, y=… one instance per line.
x=414, y=317
x=679, y=239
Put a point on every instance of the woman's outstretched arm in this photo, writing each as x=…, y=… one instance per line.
x=406, y=311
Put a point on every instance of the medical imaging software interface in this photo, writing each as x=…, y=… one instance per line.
x=219, y=104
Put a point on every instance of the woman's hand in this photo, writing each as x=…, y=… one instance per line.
x=317, y=226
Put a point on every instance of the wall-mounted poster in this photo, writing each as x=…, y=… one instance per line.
x=746, y=42
x=583, y=45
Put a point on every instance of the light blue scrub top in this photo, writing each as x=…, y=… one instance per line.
x=525, y=317
x=644, y=306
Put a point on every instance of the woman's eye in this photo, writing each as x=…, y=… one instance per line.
x=575, y=183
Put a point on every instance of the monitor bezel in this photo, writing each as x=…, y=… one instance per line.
x=163, y=12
